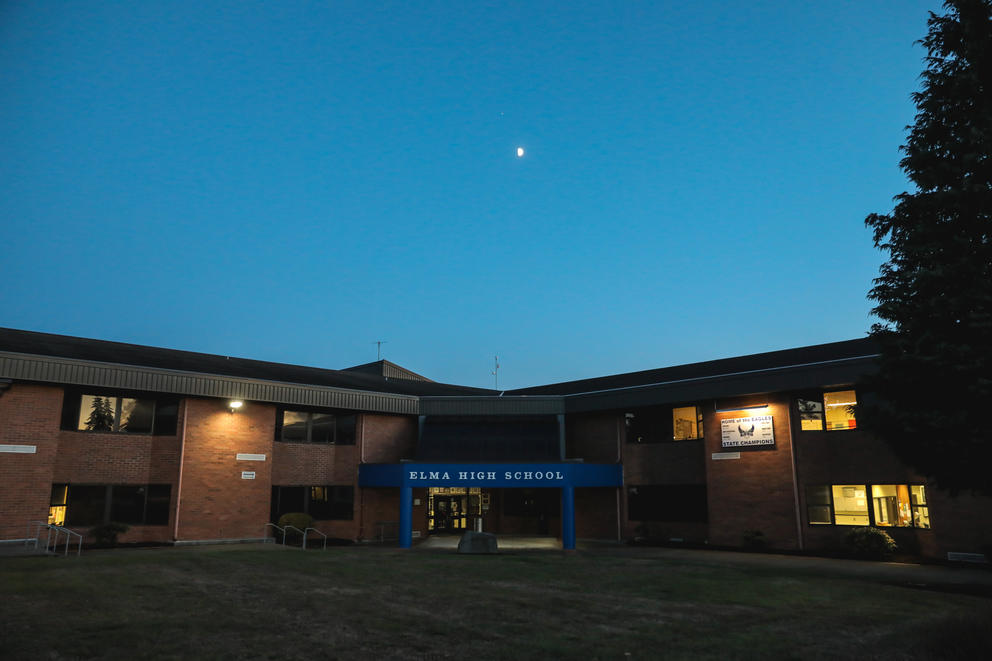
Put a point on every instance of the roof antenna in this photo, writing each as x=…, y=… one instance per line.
x=378, y=348
x=495, y=372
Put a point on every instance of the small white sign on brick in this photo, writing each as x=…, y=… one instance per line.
x=243, y=456
x=19, y=449
x=247, y=475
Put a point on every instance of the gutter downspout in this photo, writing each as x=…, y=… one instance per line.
x=795, y=476
x=182, y=456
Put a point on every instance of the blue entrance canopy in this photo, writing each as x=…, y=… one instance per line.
x=565, y=475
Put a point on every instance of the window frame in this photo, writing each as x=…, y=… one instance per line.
x=164, y=411
x=925, y=505
x=108, y=503
x=820, y=398
x=337, y=415
x=331, y=489
x=660, y=425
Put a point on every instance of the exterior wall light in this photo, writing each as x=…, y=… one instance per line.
x=235, y=404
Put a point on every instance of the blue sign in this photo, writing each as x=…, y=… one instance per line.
x=416, y=474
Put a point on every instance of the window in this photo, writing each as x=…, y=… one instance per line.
x=662, y=424
x=316, y=427
x=668, y=502
x=119, y=413
x=850, y=505
x=839, y=409
x=835, y=410
x=531, y=502
x=892, y=505
x=810, y=414
x=122, y=414
x=90, y=505
x=323, y=503
x=818, y=505
x=687, y=423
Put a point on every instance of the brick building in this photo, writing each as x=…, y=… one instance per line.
x=187, y=447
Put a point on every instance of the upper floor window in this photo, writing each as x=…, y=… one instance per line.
x=316, y=427
x=834, y=411
x=95, y=411
x=661, y=424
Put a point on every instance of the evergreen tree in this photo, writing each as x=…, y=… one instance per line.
x=101, y=415
x=934, y=294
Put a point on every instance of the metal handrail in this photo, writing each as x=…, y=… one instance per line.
x=297, y=530
x=282, y=530
x=69, y=534
x=38, y=525
x=316, y=531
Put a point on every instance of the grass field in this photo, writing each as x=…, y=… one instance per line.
x=376, y=603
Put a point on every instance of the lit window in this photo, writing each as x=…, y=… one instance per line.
x=839, y=409
x=850, y=505
x=56, y=510
x=890, y=505
x=810, y=414
x=687, y=423
x=918, y=500
x=317, y=427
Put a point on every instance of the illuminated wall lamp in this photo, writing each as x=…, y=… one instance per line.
x=234, y=405
x=752, y=407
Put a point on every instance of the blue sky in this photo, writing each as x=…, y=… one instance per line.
x=293, y=181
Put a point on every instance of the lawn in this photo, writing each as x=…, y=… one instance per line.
x=377, y=603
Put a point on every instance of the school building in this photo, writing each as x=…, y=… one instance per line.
x=187, y=447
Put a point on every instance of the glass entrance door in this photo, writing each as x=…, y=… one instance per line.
x=449, y=514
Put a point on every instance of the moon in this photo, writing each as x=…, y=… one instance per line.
x=520, y=152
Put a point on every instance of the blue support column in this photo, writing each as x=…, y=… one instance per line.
x=568, y=518
x=406, y=517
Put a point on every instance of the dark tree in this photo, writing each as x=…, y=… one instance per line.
x=101, y=415
x=934, y=294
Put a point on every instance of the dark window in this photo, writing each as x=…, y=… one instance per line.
x=86, y=505
x=331, y=503
x=323, y=503
x=669, y=502
x=127, y=504
x=818, y=505
x=531, y=502
x=93, y=504
x=315, y=427
x=103, y=412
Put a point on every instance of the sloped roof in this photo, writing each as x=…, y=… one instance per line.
x=812, y=355
x=63, y=346
x=387, y=369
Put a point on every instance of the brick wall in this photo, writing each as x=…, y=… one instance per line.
x=756, y=491
x=29, y=415
x=215, y=502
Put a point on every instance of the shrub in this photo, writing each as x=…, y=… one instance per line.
x=297, y=520
x=754, y=540
x=870, y=543
x=106, y=534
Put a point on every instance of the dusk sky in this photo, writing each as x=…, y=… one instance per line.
x=292, y=181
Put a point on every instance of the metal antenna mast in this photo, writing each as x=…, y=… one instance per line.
x=378, y=348
x=495, y=371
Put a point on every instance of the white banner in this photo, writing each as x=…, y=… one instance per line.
x=742, y=432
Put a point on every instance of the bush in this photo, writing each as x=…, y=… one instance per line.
x=106, y=534
x=754, y=540
x=870, y=543
x=297, y=520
